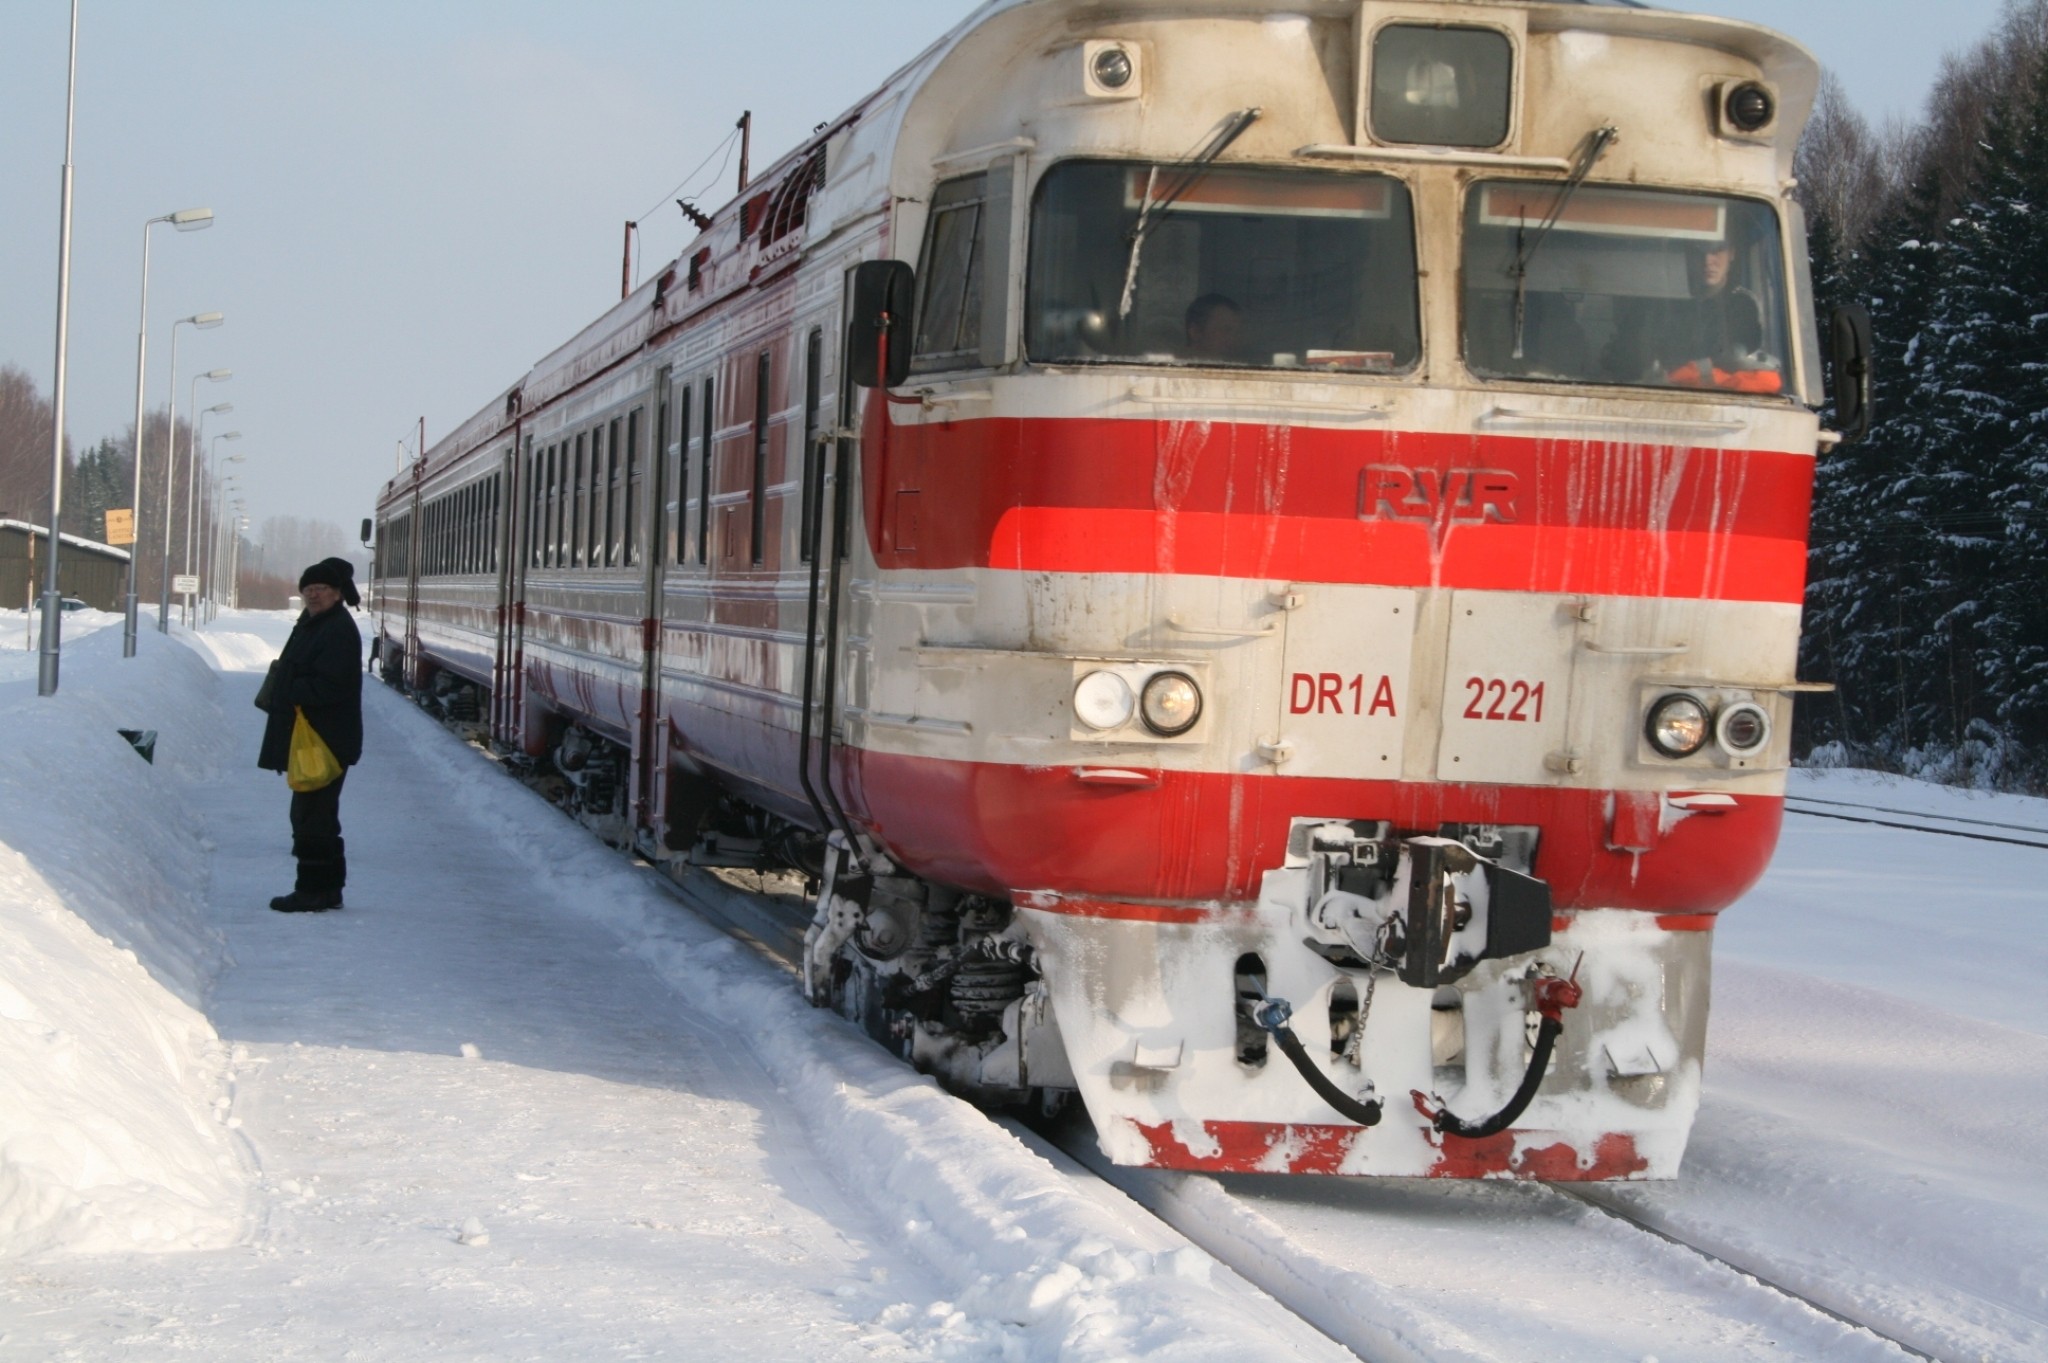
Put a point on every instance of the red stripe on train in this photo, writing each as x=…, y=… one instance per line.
x=1199, y=838
x=1312, y=504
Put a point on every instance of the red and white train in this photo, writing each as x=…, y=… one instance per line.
x=1254, y=550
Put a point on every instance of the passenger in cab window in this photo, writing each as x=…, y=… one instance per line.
x=1215, y=329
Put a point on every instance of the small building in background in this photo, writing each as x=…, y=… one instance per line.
x=92, y=572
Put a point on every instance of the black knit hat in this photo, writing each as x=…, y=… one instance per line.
x=337, y=573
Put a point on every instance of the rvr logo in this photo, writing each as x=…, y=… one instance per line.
x=1437, y=498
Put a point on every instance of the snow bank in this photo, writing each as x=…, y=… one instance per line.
x=1039, y=1271
x=109, y=1073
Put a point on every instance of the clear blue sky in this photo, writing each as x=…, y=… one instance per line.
x=418, y=198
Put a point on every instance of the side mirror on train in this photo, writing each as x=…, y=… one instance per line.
x=1849, y=357
x=368, y=526
x=884, y=301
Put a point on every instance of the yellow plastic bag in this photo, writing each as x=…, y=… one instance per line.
x=311, y=764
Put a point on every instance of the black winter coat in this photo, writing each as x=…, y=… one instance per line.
x=322, y=675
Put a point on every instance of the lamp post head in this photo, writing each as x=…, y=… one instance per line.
x=216, y=375
x=231, y=435
x=221, y=407
x=189, y=219
x=204, y=320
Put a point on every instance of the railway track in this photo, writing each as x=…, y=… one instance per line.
x=1922, y=821
x=1419, y=1271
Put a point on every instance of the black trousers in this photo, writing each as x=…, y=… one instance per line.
x=316, y=837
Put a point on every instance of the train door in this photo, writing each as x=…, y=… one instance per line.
x=650, y=748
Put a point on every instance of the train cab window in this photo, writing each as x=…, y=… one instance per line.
x=1624, y=286
x=1441, y=87
x=1240, y=267
x=948, y=334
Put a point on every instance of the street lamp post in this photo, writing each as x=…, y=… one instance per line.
x=204, y=319
x=210, y=548
x=191, y=486
x=235, y=558
x=46, y=672
x=185, y=220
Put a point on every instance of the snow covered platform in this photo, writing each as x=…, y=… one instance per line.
x=512, y=1102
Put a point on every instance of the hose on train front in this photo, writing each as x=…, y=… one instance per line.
x=1451, y=1124
x=1272, y=1016
x=1551, y=996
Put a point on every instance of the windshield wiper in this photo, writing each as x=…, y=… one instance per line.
x=1596, y=144
x=1186, y=172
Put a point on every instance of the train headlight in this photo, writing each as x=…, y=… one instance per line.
x=1170, y=703
x=1678, y=725
x=1743, y=729
x=1103, y=700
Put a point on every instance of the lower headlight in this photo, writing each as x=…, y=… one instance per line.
x=1102, y=700
x=1743, y=729
x=1170, y=703
x=1678, y=725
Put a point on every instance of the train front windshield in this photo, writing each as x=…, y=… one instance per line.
x=1282, y=269
x=1623, y=286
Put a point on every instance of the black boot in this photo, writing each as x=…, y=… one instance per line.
x=307, y=901
x=322, y=872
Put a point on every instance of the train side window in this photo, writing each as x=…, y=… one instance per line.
x=491, y=563
x=948, y=334
x=814, y=361
x=614, y=495
x=544, y=532
x=760, y=488
x=680, y=520
x=537, y=525
x=629, y=555
x=558, y=454
x=575, y=534
x=594, y=542
x=710, y=421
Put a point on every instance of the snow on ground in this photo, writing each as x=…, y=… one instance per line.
x=481, y=1125
x=109, y=1073
x=515, y=1102
x=1876, y=1114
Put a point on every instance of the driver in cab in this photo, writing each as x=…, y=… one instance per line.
x=1715, y=338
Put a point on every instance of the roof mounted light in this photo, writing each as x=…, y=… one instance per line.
x=1746, y=108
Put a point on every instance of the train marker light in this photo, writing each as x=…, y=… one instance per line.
x=1103, y=700
x=1171, y=703
x=1743, y=729
x=1112, y=68
x=1678, y=726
